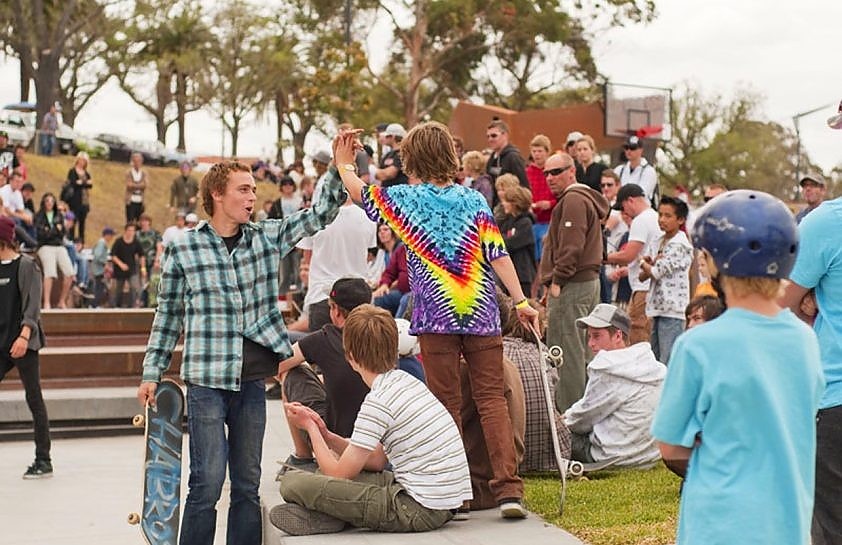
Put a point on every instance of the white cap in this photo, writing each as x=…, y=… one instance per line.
x=574, y=136
x=395, y=129
x=191, y=218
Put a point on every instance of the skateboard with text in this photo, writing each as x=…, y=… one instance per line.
x=160, y=512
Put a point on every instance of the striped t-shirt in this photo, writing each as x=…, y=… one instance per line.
x=451, y=239
x=419, y=437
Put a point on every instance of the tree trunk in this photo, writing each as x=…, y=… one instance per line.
x=46, y=84
x=25, y=76
x=280, y=109
x=181, y=109
x=234, y=130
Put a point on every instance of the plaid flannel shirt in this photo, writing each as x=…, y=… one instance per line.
x=218, y=298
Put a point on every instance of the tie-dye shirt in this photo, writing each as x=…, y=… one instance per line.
x=451, y=239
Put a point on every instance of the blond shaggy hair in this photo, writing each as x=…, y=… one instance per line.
x=370, y=338
x=519, y=197
x=215, y=181
x=429, y=153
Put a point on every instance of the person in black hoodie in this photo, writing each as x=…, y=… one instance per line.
x=50, y=229
x=505, y=157
x=516, y=228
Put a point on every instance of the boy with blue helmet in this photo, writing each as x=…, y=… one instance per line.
x=740, y=397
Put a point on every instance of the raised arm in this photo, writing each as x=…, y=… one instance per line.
x=344, y=152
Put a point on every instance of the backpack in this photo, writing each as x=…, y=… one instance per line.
x=67, y=192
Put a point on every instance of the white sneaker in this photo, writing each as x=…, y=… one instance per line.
x=512, y=509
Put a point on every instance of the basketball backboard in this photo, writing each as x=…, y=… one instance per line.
x=637, y=110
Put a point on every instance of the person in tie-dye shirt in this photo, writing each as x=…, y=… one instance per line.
x=454, y=250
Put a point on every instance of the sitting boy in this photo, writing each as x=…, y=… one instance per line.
x=611, y=422
x=399, y=422
x=338, y=400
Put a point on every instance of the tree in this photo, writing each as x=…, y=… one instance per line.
x=716, y=140
x=41, y=34
x=167, y=40
x=236, y=67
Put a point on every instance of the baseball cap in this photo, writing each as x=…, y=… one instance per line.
x=191, y=218
x=349, y=293
x=817, y=179
x=627, y=192
x=395, y=129
x=4, y=134
x=605, y=315
x=407, y=343
x=322, y=156
x=7, y=230
x=633, y=142
x=574, y=136
x=107, y=231
x=69, y=216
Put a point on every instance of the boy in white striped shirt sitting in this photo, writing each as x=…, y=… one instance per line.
x=400, y=422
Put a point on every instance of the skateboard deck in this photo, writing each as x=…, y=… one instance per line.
x=159, y=517
x=553, y=357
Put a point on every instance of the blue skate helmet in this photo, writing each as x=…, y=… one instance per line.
x=748, y=233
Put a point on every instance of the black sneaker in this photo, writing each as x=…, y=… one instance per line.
x=300, y=521
x=39, y=470
x=274, y=391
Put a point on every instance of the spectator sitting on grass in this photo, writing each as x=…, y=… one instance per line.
x=611, y=422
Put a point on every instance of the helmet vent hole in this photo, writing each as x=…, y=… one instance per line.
x=754, y=246
x=792, y=249
x=752, y=196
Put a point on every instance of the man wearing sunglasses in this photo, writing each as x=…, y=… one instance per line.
x=570, y=268
x=636, y=170
x=505, y=158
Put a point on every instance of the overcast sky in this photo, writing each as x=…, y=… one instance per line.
x=785, y=50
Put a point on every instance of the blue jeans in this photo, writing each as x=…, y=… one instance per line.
x=48, y=142
x=209, y=411
x=664, y=332
x=391, y=301
x=540, y=231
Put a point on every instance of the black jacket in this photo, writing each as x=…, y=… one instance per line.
x=520, y=243
x=49, y=235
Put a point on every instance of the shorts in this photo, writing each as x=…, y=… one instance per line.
x=53, y=258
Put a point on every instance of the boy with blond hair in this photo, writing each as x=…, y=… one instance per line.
x=739, y=402
x=399, y=422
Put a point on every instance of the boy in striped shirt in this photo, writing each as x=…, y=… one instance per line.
x=400, y=422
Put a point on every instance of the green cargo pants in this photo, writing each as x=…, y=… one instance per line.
x=372, y=500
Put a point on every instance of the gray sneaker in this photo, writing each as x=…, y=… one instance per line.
x=40, y=469
x=512, y=509
x=300, y=521
x=303, y=464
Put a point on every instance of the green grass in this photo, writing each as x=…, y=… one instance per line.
x=613, y=507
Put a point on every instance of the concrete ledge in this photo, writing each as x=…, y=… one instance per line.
x=484, y=528
x=73, y=404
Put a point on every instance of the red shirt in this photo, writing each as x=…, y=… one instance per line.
x=540, y=192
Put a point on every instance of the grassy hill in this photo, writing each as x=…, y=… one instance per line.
x=107, y=204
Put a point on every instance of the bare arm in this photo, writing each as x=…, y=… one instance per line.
x=626, y=255
x=791, y=299
x=505, y=270
x=291, y=362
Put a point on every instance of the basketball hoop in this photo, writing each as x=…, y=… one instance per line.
x=649, y=131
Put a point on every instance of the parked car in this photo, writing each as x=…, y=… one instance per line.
x=119, y=148
x=68, y=140
x=15, y=125
x=173, y=157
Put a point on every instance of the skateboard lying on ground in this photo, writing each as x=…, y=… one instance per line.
x=160, y=512
x=553, y=357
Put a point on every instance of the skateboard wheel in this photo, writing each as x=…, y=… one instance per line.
x=555, y=353
x=134, y=518
x=138, y=421
x=576, y=469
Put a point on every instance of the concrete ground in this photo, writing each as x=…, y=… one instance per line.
x=97, y=483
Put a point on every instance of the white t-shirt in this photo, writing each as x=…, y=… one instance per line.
x=172, y=233
x=419, y=438
x=339, y=250
x=644, y=228
x=644, y=176
x=12, y=200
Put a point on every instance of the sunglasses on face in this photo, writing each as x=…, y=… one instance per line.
x=492, y=136
x=556, y=171
x=631, y=148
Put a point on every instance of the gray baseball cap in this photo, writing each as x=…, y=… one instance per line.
x=605, y=315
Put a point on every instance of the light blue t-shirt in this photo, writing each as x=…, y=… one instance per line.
x=749, y=386
x=819, y=265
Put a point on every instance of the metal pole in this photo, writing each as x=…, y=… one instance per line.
x=795, y=120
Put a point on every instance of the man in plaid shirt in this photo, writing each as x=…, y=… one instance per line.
x=219, y=285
